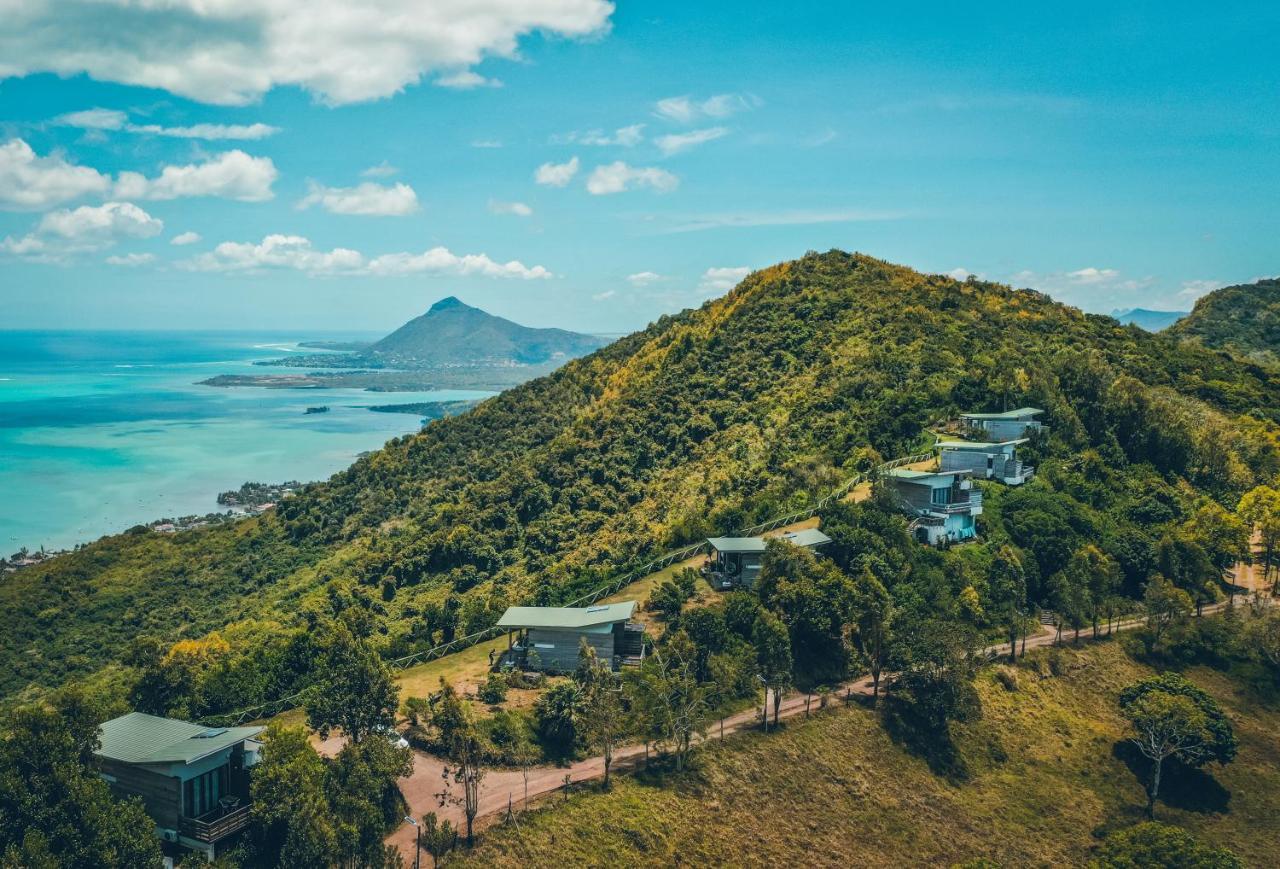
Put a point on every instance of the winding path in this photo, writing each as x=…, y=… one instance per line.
x=503, y=788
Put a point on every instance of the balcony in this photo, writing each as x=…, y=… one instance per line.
x=218, y=824
x=972, y=504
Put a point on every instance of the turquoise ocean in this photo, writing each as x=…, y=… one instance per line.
x=100, y=431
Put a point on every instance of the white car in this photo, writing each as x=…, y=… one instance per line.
x=393, y=736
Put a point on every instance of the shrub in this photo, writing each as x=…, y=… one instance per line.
x=494, y=690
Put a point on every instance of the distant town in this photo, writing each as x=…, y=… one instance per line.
x=251, y=499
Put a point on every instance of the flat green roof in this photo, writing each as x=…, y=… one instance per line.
x=1008, y=414
x=978, y=445
x=737, y=544
x=568, y=618
x=142, y=738
x=806, y=537
x=923, y=476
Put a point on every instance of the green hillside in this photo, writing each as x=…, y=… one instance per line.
x=1244, y=319
x=1043, y=782
x=702, y=423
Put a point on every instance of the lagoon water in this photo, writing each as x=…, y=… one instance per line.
x=100, y=431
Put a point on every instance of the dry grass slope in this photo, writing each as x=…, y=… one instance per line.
x=1042, y=782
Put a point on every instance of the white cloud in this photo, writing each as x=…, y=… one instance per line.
x=466, y=80
x=230, y=175
x=185, y=238
x=276, y=251
x=643, y=279
x=674, y=143
x=131, y=260
x=618, y=176
x=233, y=51
x=94, y=119
x=1192, y=290
x=208, y=131
x=600, y=297
x=959, y=274
x=556, y=174
x=625, y=137
x=31, y=182
x=486, y=143
x=89, y=227
x=98, y=221
x=1092, y=275
x=721, y=280
x=366, y=199
x=297, y=253
x=111, y=119
x=440, y=260
x=519, y=209
x=686, y=109
x=382, y=170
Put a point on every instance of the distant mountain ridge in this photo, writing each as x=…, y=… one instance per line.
x=452, y=332
x=1243, y=319
x=1145, y=318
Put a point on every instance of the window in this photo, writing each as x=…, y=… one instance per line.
x=201, y=794
x=940, y=496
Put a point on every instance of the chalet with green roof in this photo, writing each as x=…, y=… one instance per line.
x=735, y=561
x=547, y=638
x=193, y=780
x=1006, y=425
x=943, y=504
x=988, y=460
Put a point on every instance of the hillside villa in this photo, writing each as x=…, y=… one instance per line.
x=735, y=561
x=991, y=461
x=193, y=780
x=547, y=638
x=1005, y=426
x=944, y=504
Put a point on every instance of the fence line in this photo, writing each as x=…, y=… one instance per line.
x=612, y=587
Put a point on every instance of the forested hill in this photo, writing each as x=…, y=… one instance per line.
x=1243, y=319
x=699, y=424
x=452, y=333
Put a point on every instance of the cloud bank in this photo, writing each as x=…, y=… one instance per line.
x=231, y=52
x=297, y=253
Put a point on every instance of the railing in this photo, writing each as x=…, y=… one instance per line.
x=975, y=500
x=215, y=825
x=274, y=707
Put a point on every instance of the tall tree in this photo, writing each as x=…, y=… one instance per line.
x=773, y=655
x=1171, y=717
x=1165, y=605
x=464, y=748
x=292, y=823
x=1007, y=588
x=357, y=694
x=55, y=810
x=1184, y=563
x=602, y=708
x=666, y=688
x=438, y=837
x=873, y=621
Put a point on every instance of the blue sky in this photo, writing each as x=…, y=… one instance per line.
x=340, y=170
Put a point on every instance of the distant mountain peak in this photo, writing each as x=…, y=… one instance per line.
x=452, y=332
x=447, y=303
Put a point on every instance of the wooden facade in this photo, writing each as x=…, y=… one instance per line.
x=193, y=780
x=548, y=639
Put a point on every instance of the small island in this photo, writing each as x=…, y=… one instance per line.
x=324, y=408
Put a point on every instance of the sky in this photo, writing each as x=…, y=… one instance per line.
x=275, y=164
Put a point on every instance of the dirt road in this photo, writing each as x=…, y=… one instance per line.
x=501, y=788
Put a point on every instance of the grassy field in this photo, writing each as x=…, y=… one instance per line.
x=1042, y=780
